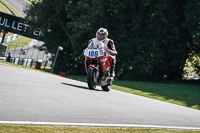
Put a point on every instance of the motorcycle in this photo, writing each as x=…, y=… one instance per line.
x=98, y=66
x=23, y=51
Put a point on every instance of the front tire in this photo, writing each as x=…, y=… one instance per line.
x=91, y=78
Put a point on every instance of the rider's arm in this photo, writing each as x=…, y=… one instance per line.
x=111, y=47
x=89, y=41
x=87, y=46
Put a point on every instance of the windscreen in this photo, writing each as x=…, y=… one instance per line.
x=95, y=44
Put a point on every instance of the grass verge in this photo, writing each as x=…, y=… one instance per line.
x=19, y=42
x=66, y=129
x=11, y=8
x=22, y=40
x=4, y=9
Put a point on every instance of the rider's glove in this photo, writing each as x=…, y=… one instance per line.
x=108, y=51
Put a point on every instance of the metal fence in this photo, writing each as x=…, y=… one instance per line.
x=26, y=55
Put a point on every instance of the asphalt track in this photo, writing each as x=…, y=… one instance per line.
x=19, y=5
x=32, y=97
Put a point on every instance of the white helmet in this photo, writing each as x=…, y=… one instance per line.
x=102, y=34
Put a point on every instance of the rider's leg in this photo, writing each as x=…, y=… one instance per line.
x=112, y=64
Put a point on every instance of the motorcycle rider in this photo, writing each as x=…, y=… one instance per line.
x=102, y=35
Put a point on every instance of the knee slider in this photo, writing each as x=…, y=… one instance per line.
x=114, y=62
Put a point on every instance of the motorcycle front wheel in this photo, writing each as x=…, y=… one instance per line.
x=91, y=78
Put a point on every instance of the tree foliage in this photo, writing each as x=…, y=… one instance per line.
x=153, y=38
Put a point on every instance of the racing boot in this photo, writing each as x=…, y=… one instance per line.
x=112, y=72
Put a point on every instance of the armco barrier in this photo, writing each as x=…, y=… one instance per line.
x=27, y=62
x=20, y=62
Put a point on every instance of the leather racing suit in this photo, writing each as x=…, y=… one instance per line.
x=110, y=48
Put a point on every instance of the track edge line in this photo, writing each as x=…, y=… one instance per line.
x=95, y=125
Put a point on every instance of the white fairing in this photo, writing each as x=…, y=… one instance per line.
x=96, y=44
x=94, y=49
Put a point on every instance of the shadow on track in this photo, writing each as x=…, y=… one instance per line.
x=78, y=86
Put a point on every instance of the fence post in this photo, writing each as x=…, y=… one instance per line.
x=8, y=50
x=27, y=52
x=32, y=53
x=38, y=54
x=15, y=50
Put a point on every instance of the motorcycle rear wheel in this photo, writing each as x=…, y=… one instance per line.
x=91, y=78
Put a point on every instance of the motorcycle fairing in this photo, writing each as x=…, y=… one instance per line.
x=94, y=65
x=105, y=64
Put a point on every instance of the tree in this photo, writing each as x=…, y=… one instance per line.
x=192, y=22
x=51, y=16
x=153, y=37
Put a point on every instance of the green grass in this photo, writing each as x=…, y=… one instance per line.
x=184, y=94
x=4, y=9
x=14, y=45
x=21, y=41
x=29, y=1
x=67, y=129
x=11, y=8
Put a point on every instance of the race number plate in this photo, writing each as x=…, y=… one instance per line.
x=93, y=53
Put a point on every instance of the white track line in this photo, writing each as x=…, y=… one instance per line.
x=95, y=125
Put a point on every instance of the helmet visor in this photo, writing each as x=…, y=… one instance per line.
x=100, y=37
